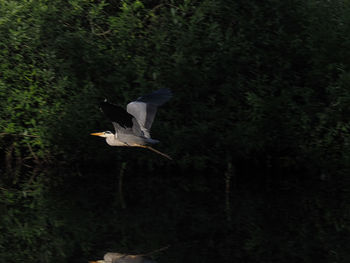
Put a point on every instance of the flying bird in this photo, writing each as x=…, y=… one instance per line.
x=132, y=127
x=123, y=258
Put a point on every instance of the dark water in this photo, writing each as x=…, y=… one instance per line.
x=78, y=214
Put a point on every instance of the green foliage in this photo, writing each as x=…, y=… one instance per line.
x=262, y=86
x=26, y=226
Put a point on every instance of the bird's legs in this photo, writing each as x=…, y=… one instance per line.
x=152, y=149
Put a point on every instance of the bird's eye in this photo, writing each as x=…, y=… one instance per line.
x=108, y=132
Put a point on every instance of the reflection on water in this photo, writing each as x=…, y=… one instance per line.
x=76, y=215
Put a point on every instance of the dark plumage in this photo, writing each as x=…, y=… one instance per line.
x=116, y=114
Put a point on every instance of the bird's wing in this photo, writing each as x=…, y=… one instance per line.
x=116, y=114
x=144, y=109
x=158, y=97
x=123, y=122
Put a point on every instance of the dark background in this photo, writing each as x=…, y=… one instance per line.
x=258, y=128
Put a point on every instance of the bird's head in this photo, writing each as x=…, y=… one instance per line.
x=103, y=134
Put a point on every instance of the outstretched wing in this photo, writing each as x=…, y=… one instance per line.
x=116, y=114
x=123, y=122
x=144, y=109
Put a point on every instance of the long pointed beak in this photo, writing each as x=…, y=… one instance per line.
x=97, y=133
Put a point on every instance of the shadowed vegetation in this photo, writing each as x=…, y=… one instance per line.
x=258, y=128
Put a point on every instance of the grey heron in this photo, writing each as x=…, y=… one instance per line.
x=122, y=258
x=132, y=127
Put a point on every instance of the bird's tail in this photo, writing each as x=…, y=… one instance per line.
x=152, y=141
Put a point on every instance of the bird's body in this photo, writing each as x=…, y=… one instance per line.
x=123, y=258
x=122, y=139
x=132, y=127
